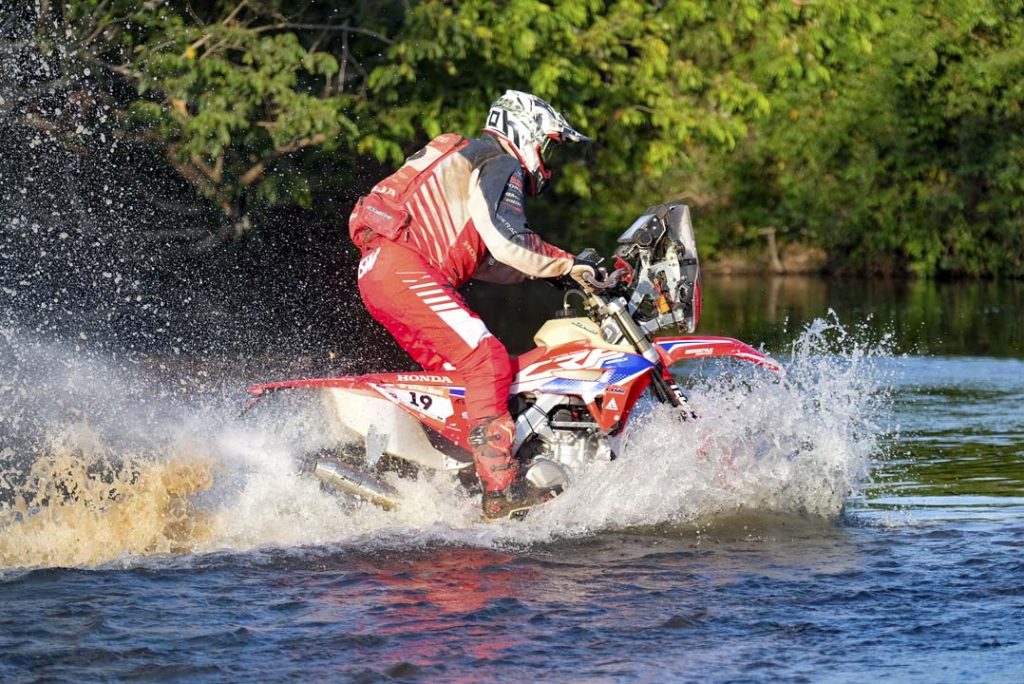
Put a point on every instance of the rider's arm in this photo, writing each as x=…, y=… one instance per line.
x=496, y=204
x=491, y=270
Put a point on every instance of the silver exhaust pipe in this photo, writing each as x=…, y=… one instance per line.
x=350, y=480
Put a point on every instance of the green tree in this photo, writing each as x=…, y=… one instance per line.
x=668, y=89
x=911, y=160
x=246, y=99
x=887, y=132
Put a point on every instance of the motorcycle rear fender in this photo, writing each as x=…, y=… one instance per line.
x=391, y=403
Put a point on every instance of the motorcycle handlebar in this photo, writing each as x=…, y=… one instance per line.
x=606, y=283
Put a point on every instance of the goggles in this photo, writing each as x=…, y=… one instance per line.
x=547, y=148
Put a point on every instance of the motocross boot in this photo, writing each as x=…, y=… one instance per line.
x=506, y=493
x=516, y=501
x=491, y=439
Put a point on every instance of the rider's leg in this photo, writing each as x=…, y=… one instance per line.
x=430, y=320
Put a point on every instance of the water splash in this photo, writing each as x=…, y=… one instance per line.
x=795, y=444
x=202, y=480
x=80, y=504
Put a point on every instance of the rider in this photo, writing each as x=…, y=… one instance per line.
x=455, y=211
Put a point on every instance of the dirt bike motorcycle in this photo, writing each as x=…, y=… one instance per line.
x=570, y=396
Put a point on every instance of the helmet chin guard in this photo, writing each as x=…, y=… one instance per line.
x=530, y=127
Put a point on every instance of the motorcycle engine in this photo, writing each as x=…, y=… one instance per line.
x=574, y=439
x=568, y=440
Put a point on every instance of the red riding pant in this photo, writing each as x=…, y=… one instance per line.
x=430, y=320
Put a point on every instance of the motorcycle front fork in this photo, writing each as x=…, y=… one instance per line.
x=668, y=392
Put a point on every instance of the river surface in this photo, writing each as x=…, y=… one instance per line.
x=861, y=518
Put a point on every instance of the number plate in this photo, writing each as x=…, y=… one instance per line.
x=432, y=402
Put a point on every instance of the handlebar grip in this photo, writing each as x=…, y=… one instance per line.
x=610, y=281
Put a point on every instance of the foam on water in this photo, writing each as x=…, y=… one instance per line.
x=138, y=472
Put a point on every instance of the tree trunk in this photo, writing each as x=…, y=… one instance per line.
x=774, y=263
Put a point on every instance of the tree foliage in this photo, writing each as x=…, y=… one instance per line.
x=247, y=99
x=888, y=132
x=912, y=159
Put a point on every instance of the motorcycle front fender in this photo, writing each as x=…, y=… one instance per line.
x=673, y=349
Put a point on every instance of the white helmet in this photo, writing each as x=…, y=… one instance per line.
x=531, y=127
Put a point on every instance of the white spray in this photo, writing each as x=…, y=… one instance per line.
x=797, y=444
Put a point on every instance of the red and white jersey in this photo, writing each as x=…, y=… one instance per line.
x=465, y=200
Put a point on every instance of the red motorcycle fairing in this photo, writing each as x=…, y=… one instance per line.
x=608, y=381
